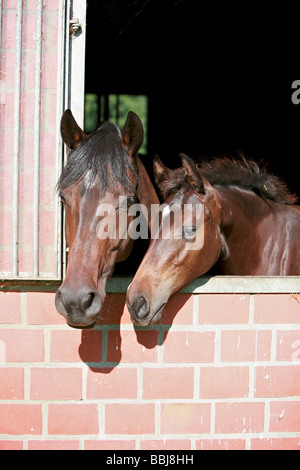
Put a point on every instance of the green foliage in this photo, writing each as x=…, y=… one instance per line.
x=119, y=105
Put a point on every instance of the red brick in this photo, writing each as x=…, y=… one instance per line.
x=53, y=445
x=239, y=417
x=10, y=306
x=288, y=346
x=11, y=445
x=277, y=381
x=76, y=346
x=285, y=416
x=181, y=418
x=6, y=221
x=41, y=309
x=7, y=111
x=129, y=418
x=263, y=345
x=244, y=346
x=109, y=445
x=73, y=419
x=11, y=383
x=19, y=419
x=179, y=310
x=9, y=33
x=189, y=346
x=6, y=181
x=47, y=228
x=220, y=444
x=49, y=74
x=276, y=443
x=109, y=382
x=29, y=25
x=224, y=382
x=26, y=112
x=223, y=308
x=134, y=346
x=168, y=382
x=26, y=196
x=56, y=384
x=238, y=346
x=22, y=345
x=276, y=308
x=166, y=444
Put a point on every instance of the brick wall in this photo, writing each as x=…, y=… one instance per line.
x=221, y=372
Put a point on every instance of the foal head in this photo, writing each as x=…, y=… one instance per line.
x=102, y=170
x=192, y=248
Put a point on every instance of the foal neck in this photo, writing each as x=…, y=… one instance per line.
x=241, y=214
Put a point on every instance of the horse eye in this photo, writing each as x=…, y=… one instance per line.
x=189, y=232
x=131, y=200
x=63, y=201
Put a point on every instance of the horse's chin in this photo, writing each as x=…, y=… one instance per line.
x=157, y=315
x=83, y=327
x=152, y=318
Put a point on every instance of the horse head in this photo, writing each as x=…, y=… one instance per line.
x=103, y=177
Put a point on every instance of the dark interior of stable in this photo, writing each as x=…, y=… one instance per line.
x=217, y=82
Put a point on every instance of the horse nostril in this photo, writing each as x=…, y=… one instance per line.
x=141, y=307
x=91, y=303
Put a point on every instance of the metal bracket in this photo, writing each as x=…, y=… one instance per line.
x=75, y=26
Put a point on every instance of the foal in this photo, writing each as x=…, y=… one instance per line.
x=247, y=223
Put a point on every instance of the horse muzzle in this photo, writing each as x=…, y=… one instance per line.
x=141, y=312
x=80, y=307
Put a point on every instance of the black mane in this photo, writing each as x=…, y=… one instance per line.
x=239, y=172
x=100, y=154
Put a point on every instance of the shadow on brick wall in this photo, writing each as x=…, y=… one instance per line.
x=115, y=339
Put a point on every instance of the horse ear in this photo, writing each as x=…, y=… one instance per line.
x=133, y=133
x=191, y=173
x=160, y=171
x=71, y=133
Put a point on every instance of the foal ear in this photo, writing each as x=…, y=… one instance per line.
x=160, y=171
x=133, y=133
x=191, y=173
x=71, y=133
x=162, y=175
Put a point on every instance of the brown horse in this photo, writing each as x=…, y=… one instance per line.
x=249, y=225
x=102, y=170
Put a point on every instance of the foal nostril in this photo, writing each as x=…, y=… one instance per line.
x=141, y=307
x=87, y=302
x=90, y=303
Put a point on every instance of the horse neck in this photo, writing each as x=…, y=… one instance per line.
x=242, y=212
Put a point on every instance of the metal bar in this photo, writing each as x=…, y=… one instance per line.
x=63, y=36
x=36, y=146
x=0, y=24
x=77, y=61
x=67, y=97
x=16, y=134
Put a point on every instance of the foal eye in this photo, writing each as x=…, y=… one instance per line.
x=189, y=232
